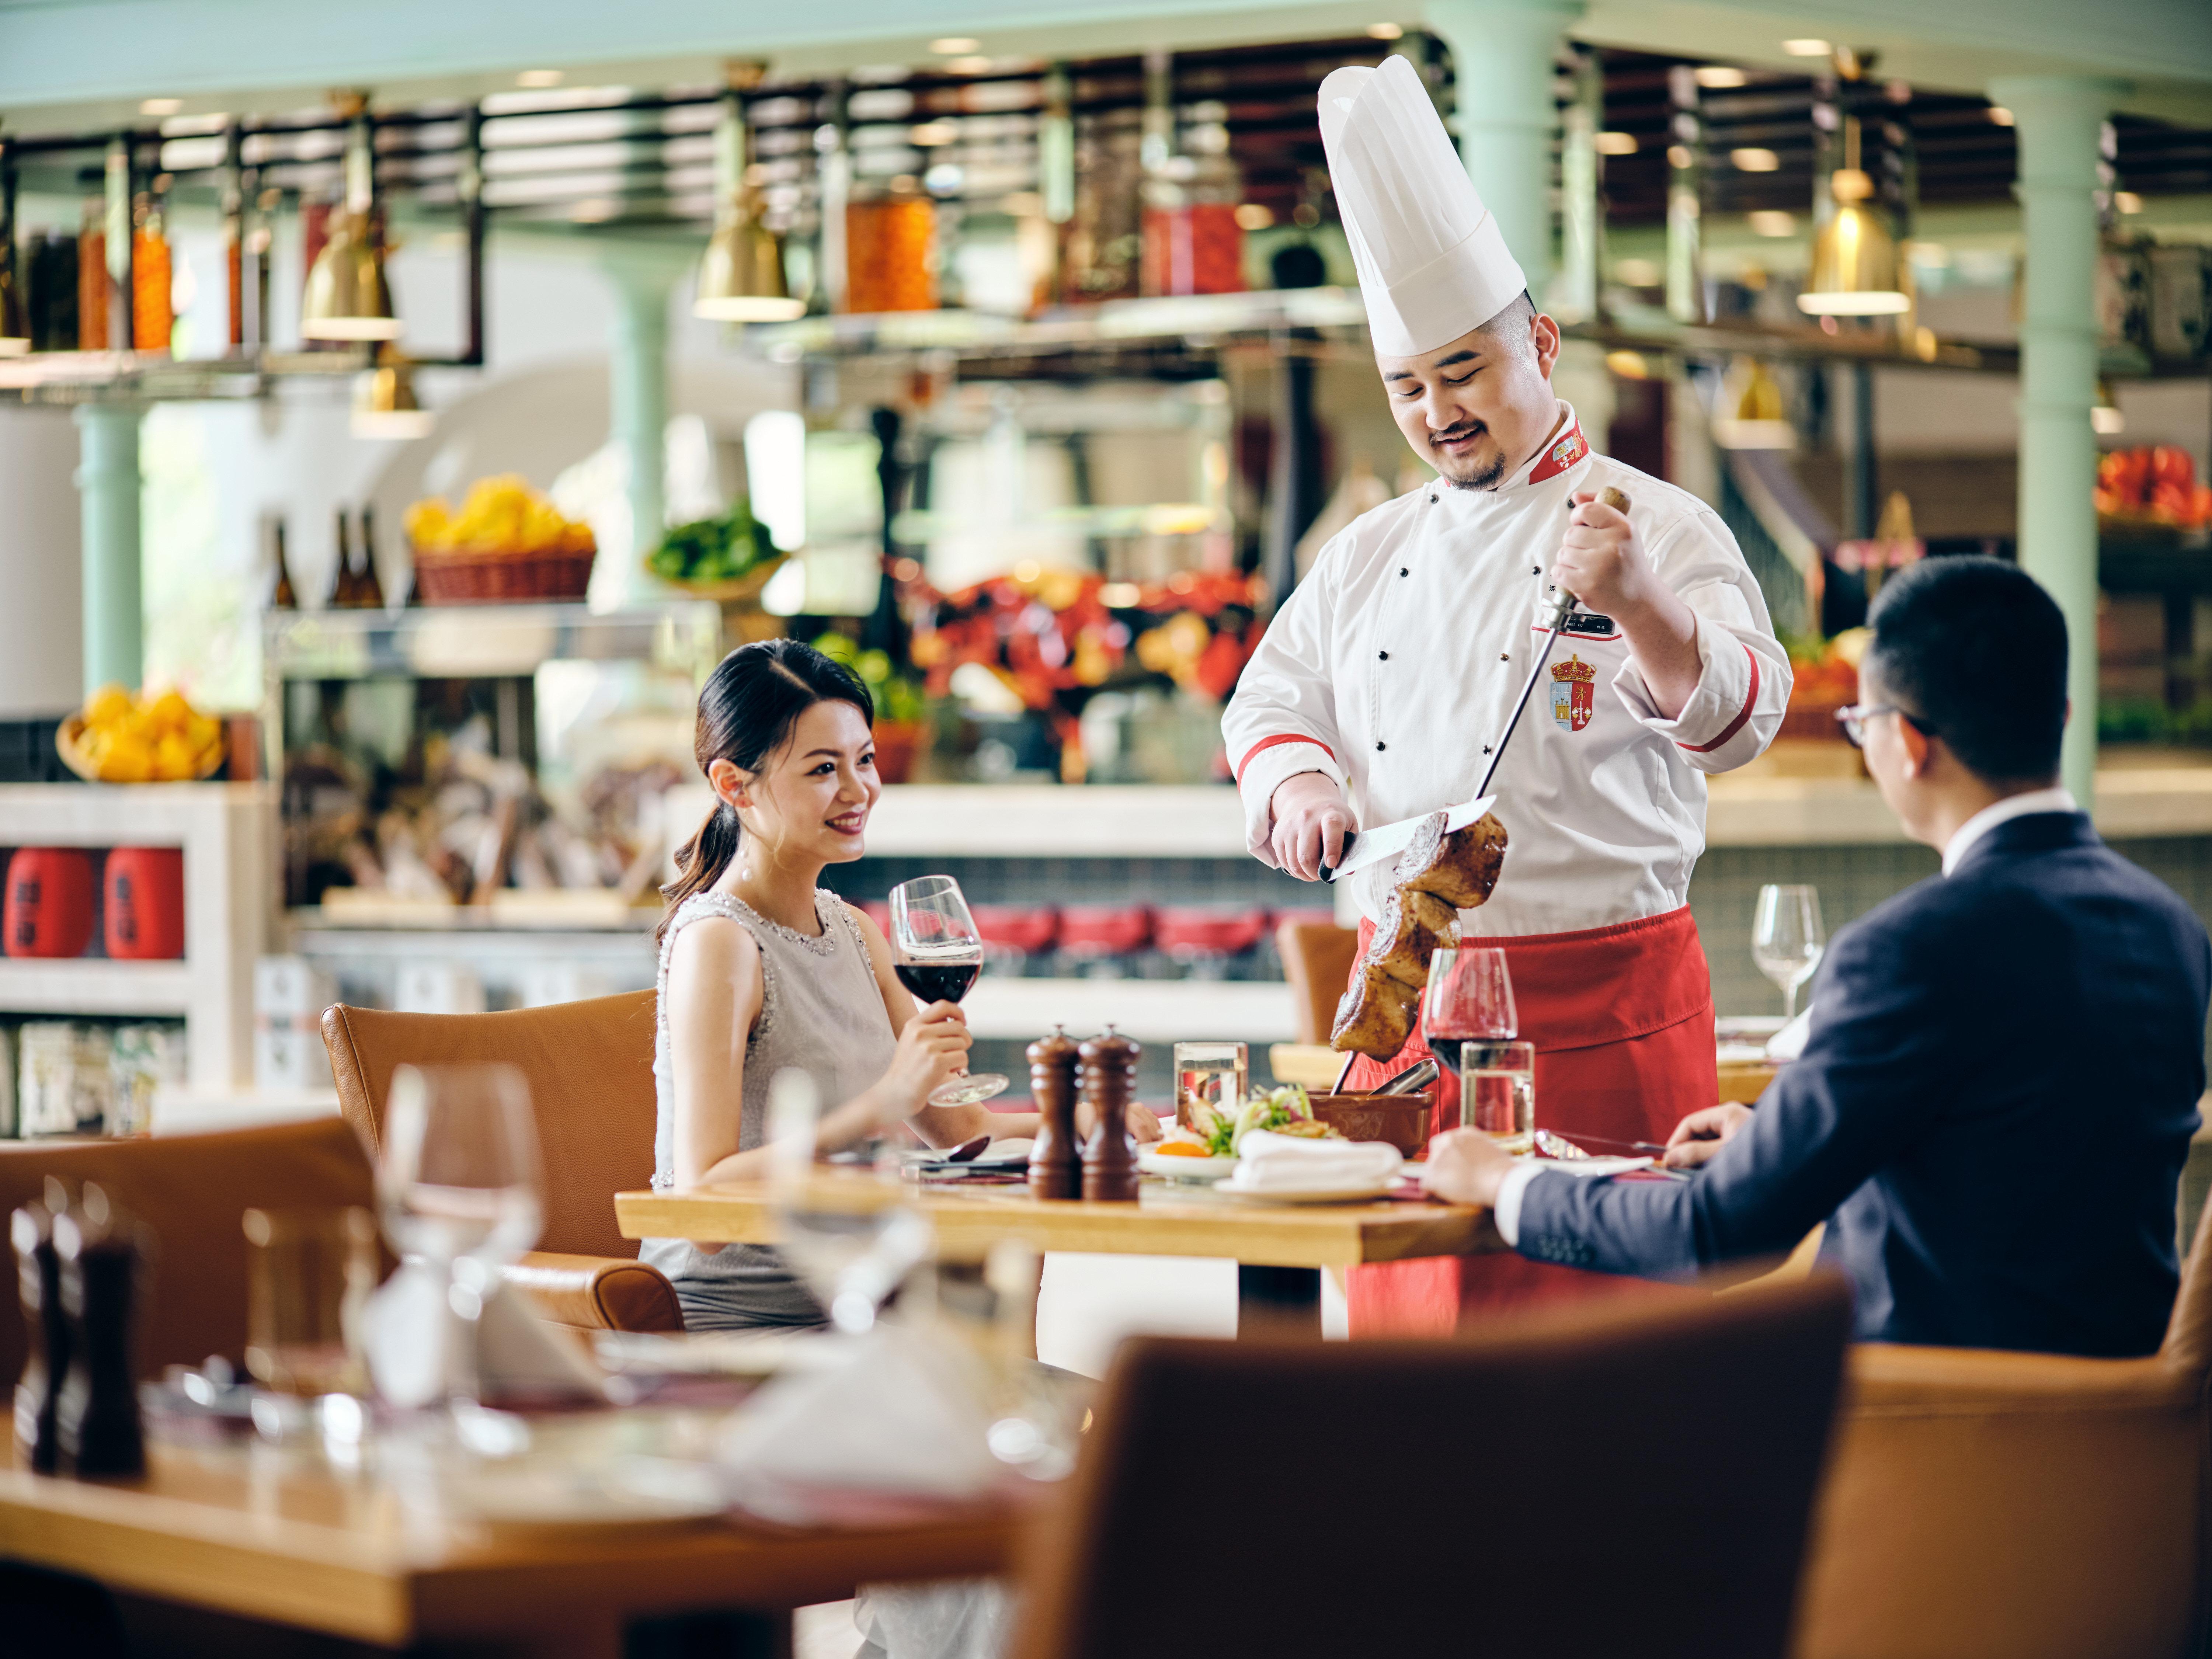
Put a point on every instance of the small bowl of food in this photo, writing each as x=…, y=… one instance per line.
x=1400, y=1121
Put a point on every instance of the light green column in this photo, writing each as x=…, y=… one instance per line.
x=108, y=484
x=637, y=397
x=2055, y=120
x=1502, y=65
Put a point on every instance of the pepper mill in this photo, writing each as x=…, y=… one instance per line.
x=39, y=1279
x=101, y=1255
x=1056, y=1159
x=1109, y=1078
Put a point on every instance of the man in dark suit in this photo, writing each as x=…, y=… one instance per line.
x=2001, y=1077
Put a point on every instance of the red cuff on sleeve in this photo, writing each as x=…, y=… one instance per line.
x=1293, y=737
x=1734, y=726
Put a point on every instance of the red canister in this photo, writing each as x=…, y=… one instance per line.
x=144, y=915
x=48, y=909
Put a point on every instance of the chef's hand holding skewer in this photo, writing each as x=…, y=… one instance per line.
x=1602, y=562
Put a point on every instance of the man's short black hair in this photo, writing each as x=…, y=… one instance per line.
x=1974, y=651
x=1512, y=322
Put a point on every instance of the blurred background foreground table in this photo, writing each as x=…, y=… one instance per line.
x=284, y=1538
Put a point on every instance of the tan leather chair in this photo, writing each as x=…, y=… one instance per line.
x=1630, y=1479
x=2027, y=1506
x=590, y=1069
x=1317, y=958
x=190, y=1191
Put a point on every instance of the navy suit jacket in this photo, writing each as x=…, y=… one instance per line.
x=1993, y=1107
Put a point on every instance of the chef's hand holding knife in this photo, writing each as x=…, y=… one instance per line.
x=1312, y=823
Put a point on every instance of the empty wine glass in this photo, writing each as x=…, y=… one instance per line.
x=853, y=1247
x=938, y=953
x=459, y=1187
x=1787, y=938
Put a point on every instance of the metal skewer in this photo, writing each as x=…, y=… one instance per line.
x=1562, y=607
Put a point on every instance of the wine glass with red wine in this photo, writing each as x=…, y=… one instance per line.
x=939, y=953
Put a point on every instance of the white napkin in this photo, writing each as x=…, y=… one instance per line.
x=902, y=1415
x=406, y=1326
x=1788, y=1043
x=1270, y=1163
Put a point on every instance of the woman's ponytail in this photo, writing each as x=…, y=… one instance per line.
x=746, y=711
x=701, y=860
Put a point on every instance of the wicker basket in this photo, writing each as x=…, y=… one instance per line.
x=68, y=744
x=479, y=575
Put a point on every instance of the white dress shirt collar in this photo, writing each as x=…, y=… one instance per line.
x=1963, y=838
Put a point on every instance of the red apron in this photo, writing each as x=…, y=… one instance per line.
x=1622, y=1021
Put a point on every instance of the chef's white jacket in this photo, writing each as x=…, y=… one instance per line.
x=1393, y=667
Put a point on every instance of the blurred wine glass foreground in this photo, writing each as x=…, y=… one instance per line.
x=459, y=1187
x=854, y=1259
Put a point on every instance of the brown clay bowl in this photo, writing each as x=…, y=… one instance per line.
x=1401, y=1121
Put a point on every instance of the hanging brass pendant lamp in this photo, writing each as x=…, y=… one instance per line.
x=1856, y=268
x=741, y=279
x=385, y=405
x=347, y=297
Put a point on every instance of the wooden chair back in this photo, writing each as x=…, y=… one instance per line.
x=1317, y=958
x=589, y=1066
x=1607, y=1480
x=190, y=1192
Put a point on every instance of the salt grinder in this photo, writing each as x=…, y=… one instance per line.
x=1056, y=1159
x=39, y=1279
x=97, y=1416
x=1109, y=1078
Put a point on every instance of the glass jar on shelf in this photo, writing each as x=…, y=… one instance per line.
x=891, y=249
x=151, y=317
x=92, y=279
x=1192, y=243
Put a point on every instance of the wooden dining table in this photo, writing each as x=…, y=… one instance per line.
x=1279, y=1248
x=280, y=1536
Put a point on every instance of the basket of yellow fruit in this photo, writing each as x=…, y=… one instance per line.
x=119, y=738
x=507, y=542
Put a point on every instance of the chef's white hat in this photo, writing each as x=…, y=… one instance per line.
x=1432, y=262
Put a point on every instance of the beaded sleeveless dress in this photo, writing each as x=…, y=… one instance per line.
x=822, y=1010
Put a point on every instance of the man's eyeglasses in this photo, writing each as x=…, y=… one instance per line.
x=1853, y=718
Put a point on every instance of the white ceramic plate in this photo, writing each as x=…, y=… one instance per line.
x=1364, y=1192
x=1193, y=1171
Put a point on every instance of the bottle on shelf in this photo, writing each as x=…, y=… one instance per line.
x=92, y=277
x=151, y=318
x=341, y=584
x=283, y=596
x=54, y=292
x=367, y=591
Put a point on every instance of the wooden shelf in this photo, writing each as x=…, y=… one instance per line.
x=94, y=985
x=225, y=831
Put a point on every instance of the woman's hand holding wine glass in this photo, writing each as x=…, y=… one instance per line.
x=939, y=953
x=932, y=1049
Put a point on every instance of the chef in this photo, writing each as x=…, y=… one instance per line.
x=1385, y=682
